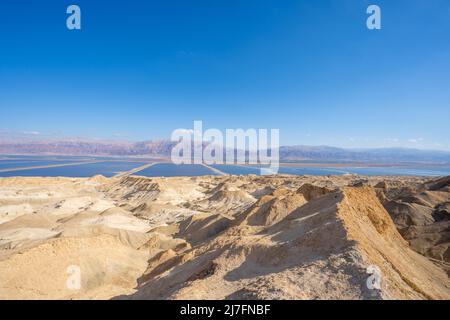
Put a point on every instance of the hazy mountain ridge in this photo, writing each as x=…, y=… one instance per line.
x=326, y=153
x=162, y=148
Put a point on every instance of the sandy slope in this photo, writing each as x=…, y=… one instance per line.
x=283, y=237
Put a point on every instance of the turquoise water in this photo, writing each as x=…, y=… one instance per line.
x=173, y=170
x=111, y=168
x=243, y=170
x=399, y=171
x=313, y=171
x=236, y=169
x=107, y=169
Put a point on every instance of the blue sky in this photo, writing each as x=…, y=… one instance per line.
x=140, y=69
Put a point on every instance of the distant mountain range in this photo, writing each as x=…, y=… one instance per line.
x=393, y=155
x=162, y=148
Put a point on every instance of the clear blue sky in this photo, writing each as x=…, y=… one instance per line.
x=140, y=69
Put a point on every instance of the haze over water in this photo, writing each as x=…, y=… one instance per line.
x=43, y=167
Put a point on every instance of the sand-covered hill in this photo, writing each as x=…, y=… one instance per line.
x=224, y=237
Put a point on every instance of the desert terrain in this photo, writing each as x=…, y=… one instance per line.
x=225, y=237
